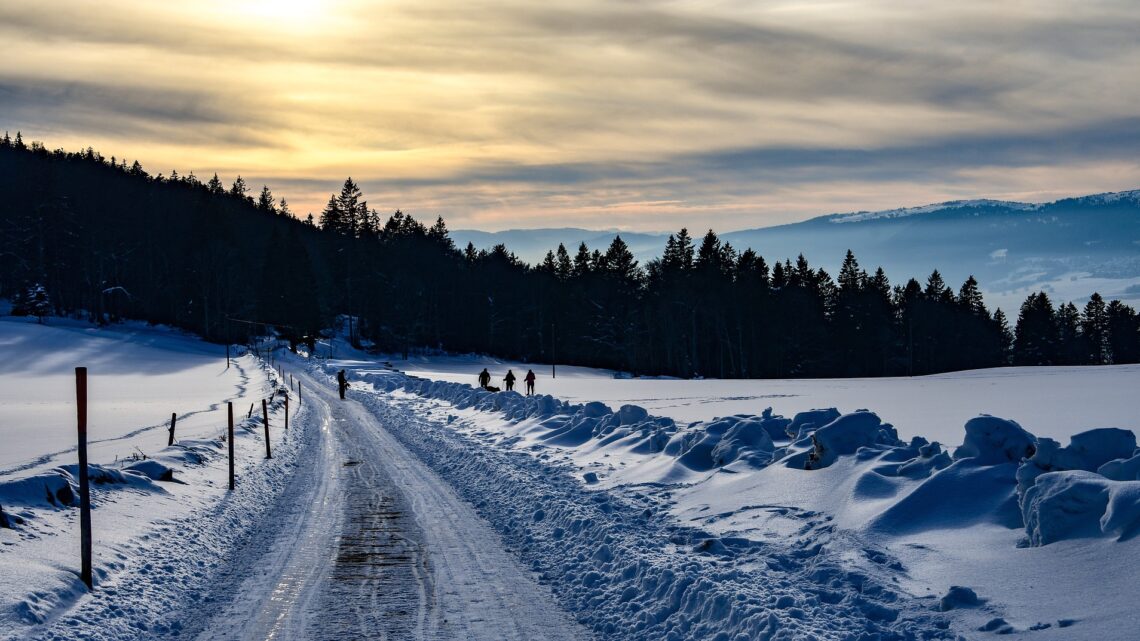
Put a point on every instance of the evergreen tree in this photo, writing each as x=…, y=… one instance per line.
x=332, y=218
x=563, y=267
x=239, y=189
x=214, y=186
x=265, y=201
x=582, y=261
x=1036, y=334
x=1005, y=337
x=1094, y=326
x=1123, y=333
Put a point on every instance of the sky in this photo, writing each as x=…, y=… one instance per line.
x=636, y=114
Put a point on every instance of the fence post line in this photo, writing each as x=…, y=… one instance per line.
x=265, y=419
x=84, y=482
x=231, y=440
x=173, y=420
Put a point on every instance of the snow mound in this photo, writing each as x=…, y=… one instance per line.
x=804, y=423
x=720, y=442
x=1125, y=469
x=959, y=597
x=1088, y=451
x=847, y=434
x=1077, y=504
x=59, y=488
x=992, y=441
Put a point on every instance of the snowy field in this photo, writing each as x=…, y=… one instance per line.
x=149, y=500
x=647, y=509
x=1048, y=401
x=1053, y=559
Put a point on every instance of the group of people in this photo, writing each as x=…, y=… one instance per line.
x=508, y=380
x=484, y=381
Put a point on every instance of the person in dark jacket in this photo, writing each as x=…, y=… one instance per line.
x=484, y=378
x=509, y=379
x=529, y=378
x=341, y=383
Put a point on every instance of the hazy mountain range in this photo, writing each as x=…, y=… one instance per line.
x=1069, y=248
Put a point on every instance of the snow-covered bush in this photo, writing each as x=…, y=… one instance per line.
x=1074, y=504
x=846, y=434
x=991, y=441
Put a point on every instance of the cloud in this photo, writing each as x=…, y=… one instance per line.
x=492, y=110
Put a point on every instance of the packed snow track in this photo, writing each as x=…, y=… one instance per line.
x=378, y=546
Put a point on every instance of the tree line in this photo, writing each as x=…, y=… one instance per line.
x=85, y=234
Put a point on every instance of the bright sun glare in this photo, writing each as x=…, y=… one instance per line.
x=288, y=11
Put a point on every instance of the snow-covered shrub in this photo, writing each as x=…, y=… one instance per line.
x=1087, y=451
x=1073, y=504
x=804, y=422
x=846, y=434
x=991, y=441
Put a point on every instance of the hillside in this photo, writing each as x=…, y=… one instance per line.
x=1069, y=248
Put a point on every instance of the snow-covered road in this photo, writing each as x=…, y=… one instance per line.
x=379, y=546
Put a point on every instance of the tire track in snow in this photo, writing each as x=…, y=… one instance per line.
x=415, y=561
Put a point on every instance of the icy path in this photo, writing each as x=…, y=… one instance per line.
x=412, y=560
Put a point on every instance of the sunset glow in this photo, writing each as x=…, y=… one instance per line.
x=649, y=116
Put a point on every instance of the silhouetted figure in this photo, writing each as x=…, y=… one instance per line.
x=341, y=383
x=509, y=379
x=484, y=378
x=529, y=378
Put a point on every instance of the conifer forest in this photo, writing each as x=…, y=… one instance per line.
x=86, y=235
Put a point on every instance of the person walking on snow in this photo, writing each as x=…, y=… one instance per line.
x=509, y=379
x=341, y=383
x=484, y=378
x=529, y=378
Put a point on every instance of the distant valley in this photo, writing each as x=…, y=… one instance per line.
x=1068, y=248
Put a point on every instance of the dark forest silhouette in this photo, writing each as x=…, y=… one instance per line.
x=84, y=234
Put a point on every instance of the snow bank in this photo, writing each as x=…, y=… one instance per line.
x=992, y=441
x=1088, y=451
x=846, y=435
x=627, y=570
x=991, y=478
x=1088, y=488
x=1075, y=504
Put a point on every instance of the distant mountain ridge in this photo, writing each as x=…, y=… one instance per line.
x=1069, y=247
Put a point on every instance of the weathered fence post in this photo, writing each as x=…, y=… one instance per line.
x=84, y=483
x=250, y=412
x=298, y=392
x=173, y=420
x=231, y=440
x=290, y=381
x=227, y=355
x=265, y=419
x=286, y=411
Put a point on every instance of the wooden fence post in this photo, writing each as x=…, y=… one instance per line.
x=231, y=439
x=84, y=483
x=227, y=355
x=173, y=420
x=286, y=411
x=298, y=392
x=265, y=419
x=250, y=412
